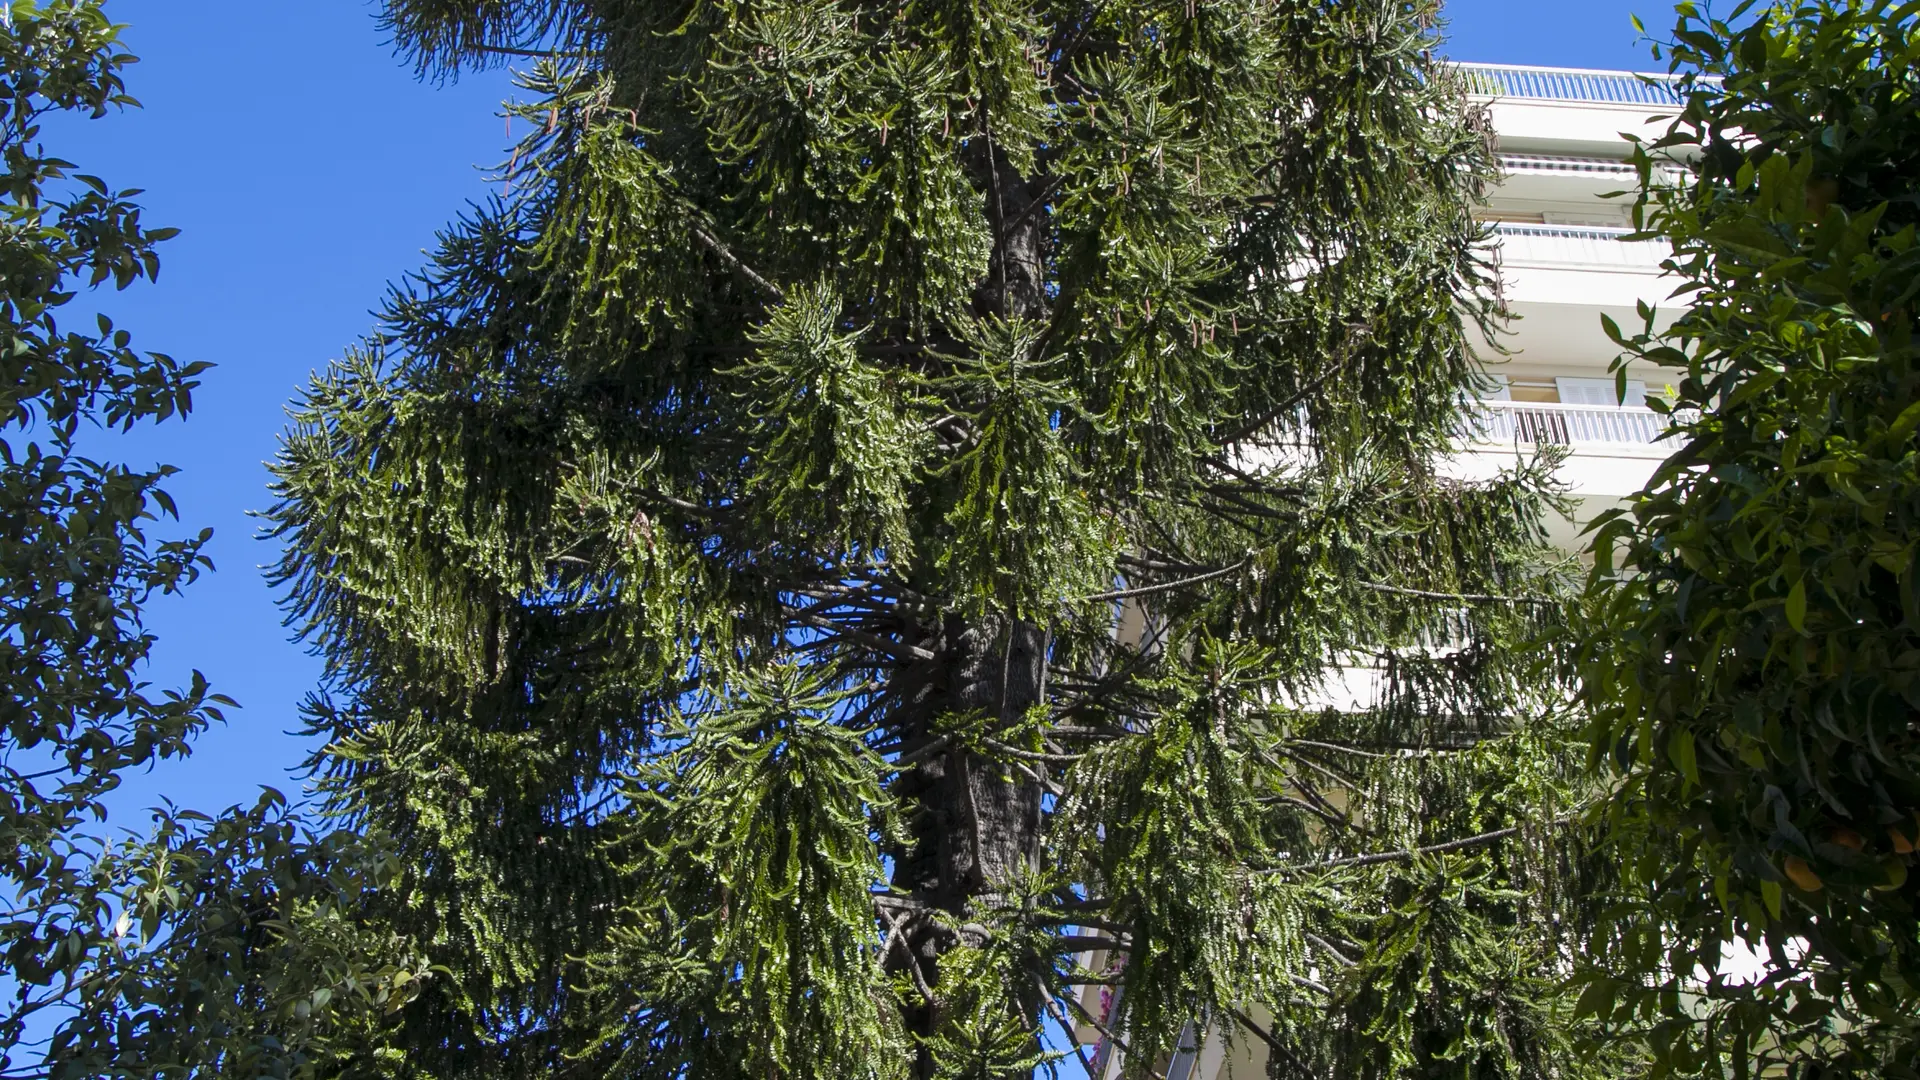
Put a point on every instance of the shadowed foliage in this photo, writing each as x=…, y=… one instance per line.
x=1755, y=671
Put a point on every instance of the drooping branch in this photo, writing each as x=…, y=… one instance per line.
x=1167, y=586
x=1462, y=844
x=1059, y=1016
x=1095, y=1023
x=1463, y=598
x=1327, y=947
x=1267, y=1037
x=1299, y=398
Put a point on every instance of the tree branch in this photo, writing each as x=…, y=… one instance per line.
x=532, y=54
x=1059, y=1016
x=908, y=761
x=1078, y=943
x=1465, y=598
x=1327, y=947
x=1097, y=1025
x=1242, y=504
x=727, y=256
x=1082, y=919
x=895, y=649
x=1035, y=203
x=1253, y=482
x=1266, y=1036
x=999, y=747
x=1291, y=403
x=894, y=936
x=1168, y=586
x=1401, y=856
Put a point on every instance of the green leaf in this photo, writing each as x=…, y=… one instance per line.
x=1680, y=752
x=1905, y=424
x=1772, y=894
x=1596, y=1000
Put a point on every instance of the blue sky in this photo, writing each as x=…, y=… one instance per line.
x=307, y=168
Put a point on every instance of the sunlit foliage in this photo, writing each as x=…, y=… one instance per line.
x=897, y=499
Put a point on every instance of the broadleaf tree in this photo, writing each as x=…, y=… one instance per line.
x=1752, y=671
x=134, y=945
x=904, y=510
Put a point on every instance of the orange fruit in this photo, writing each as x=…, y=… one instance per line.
x=1802, y=875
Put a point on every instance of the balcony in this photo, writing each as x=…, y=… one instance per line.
x=1629, y=430
x=1584, y=247
x=1613, y=450
x=1559, y=277
x=1510, y=81
x=1570, y=111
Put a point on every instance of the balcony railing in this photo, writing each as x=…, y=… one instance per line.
x=1562, y=165
x=1567, y=425
x=1570, y=84
x=1617, y=170
x=1524, y=244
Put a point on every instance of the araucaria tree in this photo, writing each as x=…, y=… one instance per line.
x=903, y=499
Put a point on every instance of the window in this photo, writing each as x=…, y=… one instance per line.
x=1601, y=392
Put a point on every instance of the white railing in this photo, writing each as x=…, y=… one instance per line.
x=1566, y=425
x=1562, y=165
x=1616, y=169
x=1523, y=244
x=1570, y=84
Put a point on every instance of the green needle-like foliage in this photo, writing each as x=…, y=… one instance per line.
x=904, y=500
x=754, y=839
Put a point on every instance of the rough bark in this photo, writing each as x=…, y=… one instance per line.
x=975, y=823
x=1016, y=283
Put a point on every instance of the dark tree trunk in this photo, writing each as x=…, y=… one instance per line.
x=1016, y=285
x=974, y=824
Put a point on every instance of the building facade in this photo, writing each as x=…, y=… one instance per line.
x=1564, y=263
x=1564, y=260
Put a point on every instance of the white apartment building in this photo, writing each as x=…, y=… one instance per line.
x=1564, y=263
